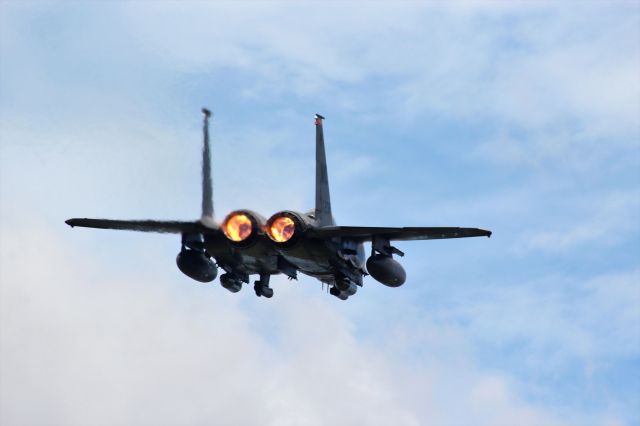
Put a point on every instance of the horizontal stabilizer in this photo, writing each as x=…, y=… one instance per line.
x=366, y=233
x=170, y=227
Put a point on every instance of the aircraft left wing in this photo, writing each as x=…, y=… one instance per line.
x=366, y=233
x=170, y=227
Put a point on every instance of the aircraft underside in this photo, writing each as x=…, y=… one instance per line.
x=288, y=243
x=314, y=258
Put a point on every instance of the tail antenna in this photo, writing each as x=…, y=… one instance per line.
x=207, y=185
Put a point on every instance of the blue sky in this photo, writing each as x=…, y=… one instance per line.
x=520, y=118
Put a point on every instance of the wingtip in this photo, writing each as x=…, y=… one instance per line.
x=69, y=222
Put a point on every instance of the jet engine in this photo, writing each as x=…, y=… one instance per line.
x=285, y=228
x=197, y=265
x=241, y=227
x=386, y=270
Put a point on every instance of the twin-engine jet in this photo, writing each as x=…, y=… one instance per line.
x=246, y=244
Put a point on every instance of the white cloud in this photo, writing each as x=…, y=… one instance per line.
x=568, y=86
x=89, y=344
x=554, y=323
x=610, y=219
x=582, y=69
x=565, y=76
x=85, y=343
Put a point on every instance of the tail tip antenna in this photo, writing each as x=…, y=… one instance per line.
x=206, y=112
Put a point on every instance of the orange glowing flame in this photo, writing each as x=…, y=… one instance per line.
x=237, y=227
x=281, y=229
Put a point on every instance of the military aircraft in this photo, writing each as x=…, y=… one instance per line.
x=245, y=244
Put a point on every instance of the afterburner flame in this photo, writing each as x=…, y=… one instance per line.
x=237, y=227
x=281, y=229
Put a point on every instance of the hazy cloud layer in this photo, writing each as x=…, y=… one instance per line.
x=521, y=119
x=83, y=344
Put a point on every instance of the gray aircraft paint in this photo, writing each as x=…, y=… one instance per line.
x=323, y=198
x=333, y=254
x=207, y=217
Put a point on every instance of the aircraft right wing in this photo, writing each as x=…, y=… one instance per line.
x=366, y=233
x=171, y=227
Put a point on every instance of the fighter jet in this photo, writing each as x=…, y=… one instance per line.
x=246, y=244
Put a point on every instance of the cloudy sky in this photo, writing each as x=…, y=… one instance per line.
x=522, y=118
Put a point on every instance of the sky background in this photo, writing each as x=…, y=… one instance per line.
x=522, y=118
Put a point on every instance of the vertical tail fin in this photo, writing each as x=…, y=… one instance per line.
x=207, y=185
x=323, y=199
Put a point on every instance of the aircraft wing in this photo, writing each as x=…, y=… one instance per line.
x=171, y=227
x=366, y=233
